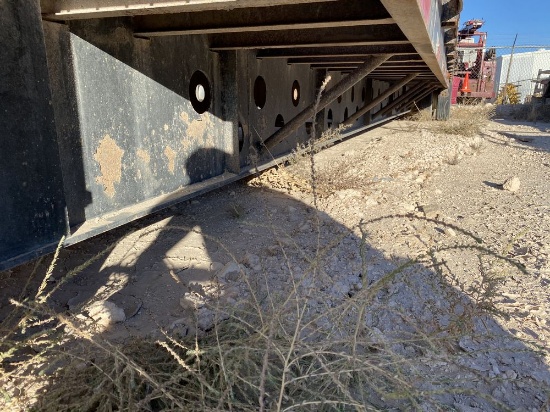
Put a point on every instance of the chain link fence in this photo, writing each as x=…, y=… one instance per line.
x=501, y=75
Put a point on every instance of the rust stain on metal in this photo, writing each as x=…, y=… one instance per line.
x=144, y=156
x=171, y=155
x=109, y=156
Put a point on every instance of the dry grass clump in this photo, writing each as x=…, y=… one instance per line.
x=466, y=120
x=327, y=179
x=327, y=138
x=301, y=346
x=421, y=115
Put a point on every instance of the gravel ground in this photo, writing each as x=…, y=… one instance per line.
x=450, y=233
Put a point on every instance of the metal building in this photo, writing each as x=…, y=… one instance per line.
x=113, y=109
x=523, y=71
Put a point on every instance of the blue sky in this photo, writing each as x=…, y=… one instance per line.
x=530, y=19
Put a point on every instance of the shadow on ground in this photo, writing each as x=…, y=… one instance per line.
x=248, y=297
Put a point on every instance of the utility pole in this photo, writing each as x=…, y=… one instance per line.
x=504, y=97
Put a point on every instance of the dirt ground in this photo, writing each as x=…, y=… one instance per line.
x=469, y=259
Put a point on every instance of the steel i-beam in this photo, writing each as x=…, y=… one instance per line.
x=419, y=97
x=327, y=98
x=403, y=98
x=380, y=99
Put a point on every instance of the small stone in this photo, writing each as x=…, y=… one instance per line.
x=191, y=301
x=450, y=232
x=252, y=261
x=494, y=367
x=369, y=201
x=293, y=214
x=340, y=289
x=216, y=266
x=430, y=211
x=230, y=293
x=178, y=322
x=511, y=184
x=106, y=313
x=377, y=337
x=74, y=302
x=510, y=374
x=285, y=241
x=205, y=319
x=231, y=272
x=467, y=344
x=306, y=227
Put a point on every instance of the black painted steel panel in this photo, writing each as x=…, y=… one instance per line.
x=32, y=207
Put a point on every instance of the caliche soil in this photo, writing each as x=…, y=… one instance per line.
x=404, y=269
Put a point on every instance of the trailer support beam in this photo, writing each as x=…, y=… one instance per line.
x=327, y=98
x=419, y=97
x=401, y=99
x=362, y=111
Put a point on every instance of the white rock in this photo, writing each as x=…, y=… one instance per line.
x=511, y=184
x=191, y=301
x=450, y=232
x=106, y=313
x=369, y=201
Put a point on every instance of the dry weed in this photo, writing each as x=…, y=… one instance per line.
x=279, y=349
x=464, y=120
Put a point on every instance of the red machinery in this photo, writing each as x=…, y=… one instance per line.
x=474, y=76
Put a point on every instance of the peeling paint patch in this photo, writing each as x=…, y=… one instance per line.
x=109, y=156
x=171, y=155
x=144, y=155
x=187, y=145
x=195, y=128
